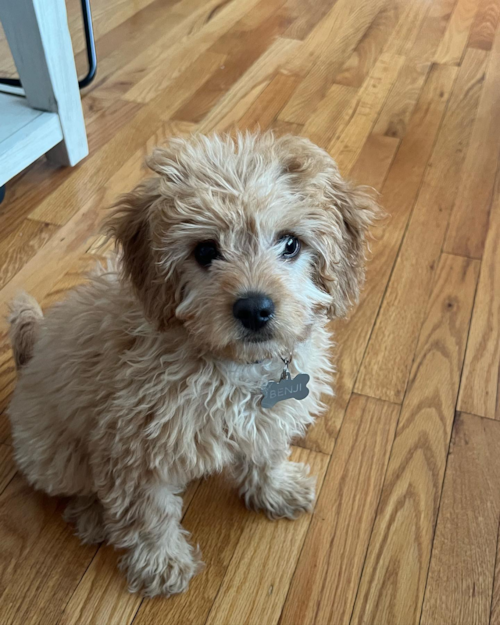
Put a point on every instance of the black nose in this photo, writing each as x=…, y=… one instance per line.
x=254, y=310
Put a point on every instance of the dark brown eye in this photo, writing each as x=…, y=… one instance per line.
x=205, y=252
x=292, y=246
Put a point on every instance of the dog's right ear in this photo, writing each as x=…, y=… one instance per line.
x=131, y=224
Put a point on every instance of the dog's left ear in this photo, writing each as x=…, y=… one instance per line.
x=339, y=215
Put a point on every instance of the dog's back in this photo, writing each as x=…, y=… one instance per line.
x=60, y=357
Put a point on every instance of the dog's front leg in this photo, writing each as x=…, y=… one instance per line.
x=159, y=560
x=277, y=486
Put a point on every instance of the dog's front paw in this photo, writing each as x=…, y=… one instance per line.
x=286, y=493
x=158, y=570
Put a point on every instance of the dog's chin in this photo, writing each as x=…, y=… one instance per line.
x=251, y=347
x=257, y=340
x=268, y=344
x=257, y=347
x=261, y=342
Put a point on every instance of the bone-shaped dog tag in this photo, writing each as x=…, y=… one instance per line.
x=286, y=388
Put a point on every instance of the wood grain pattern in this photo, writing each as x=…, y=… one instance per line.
x=495, y=599
x=169, y=64
x=456, y=36
x=364, y=57
x=242, y=95
x=307, y=14
x=42, y=559
x=239, y=57
x=327, y=576
x=267, y=106
x=479, y=391
x=106, y=17
x=104, y=126
x=394, y=576
x=331, y=116
x=467, y=229
x=324, y=55
x=118, y=71
x=266, y=554
x=281, y=128
x=460, y=582
x=371, y=98
x=375, y=160
x=485, y=25
x=388, y=359
x=101, y=596
x=21, y=245
x=408, y=28
x=404, y=94
x=432, y=30
x=400, y=104
x=76, y=275
x=30, y=187
x=7, y=466
x=68, y=245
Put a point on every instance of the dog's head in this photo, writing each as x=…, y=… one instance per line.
x=248, y=243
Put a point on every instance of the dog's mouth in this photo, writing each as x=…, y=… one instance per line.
x=255, y=340
x=257, y=337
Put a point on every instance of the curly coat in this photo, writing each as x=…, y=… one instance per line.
x=141, y=380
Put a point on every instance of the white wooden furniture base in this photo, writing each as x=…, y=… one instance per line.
x=25, y=135
x=50, y=119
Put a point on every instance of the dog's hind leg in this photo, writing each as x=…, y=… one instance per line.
x=86, y=513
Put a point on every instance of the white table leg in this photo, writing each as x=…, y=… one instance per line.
x=38, y=36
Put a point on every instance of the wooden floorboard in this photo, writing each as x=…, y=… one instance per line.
x=327, y=575
x=393, y=582
x=479, y=391
x=388, y=359
x=460, y=582
x=405, y=96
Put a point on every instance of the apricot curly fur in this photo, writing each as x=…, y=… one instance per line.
x=142, y=380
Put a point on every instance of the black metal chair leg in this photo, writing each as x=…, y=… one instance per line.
x=90, y=42
x=91, y=53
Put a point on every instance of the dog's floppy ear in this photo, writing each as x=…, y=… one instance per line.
x=137, y=223
x=339, y=217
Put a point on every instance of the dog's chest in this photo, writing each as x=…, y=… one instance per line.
x=210, y=418
x=234, y=406
x=212, y=412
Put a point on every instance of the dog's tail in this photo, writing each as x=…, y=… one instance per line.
x=24, y=318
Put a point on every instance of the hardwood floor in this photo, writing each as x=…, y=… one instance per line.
x=405, y=95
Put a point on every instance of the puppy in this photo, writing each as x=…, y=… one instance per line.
x=234, y=258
